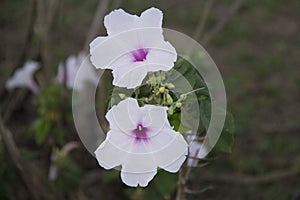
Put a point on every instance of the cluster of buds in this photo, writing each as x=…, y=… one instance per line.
x=160, y=93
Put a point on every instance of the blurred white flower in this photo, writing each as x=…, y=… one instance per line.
x=140, y=139
x=72, y=65
x=23, y=77
x=66, y=149
x=196, y=149
x=134, y=46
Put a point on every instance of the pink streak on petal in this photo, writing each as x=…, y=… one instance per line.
x=140, y=133
x=139, y=55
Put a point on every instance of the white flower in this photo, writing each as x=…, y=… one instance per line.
x=196, y=150
x=66, y=149
x=72, y=65
x=140, y=140
x=23, y=77
x=134, y=46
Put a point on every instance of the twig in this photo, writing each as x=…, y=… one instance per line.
x=203, y=20
x=271, y=129
x=45, y=19
x=52, y=11
x=28, y=33
x=117, y=3
x=16, y=98
x=94, y=29
x=181, y=183
x=91, y=178
x=34, y=181
x=223, y=21
x=189, y=191
x=268, y=178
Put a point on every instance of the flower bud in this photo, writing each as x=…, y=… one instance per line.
x=178, y=104
x=171, y=111
x=161, y=90
x=183, y=96
x=122, y=96
x=170, y=85
x=169, y=99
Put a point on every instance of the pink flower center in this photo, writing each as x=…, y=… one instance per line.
x=139, y=55
x=140, y=133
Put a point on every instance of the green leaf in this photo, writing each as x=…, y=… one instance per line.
x=205, y=112
x=225, y=142
x=175, y=120
x=165, y=183
x=184, y=73
x=226, y=138
x=41, y=129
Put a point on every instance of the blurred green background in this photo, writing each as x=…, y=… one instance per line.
x=257, y=52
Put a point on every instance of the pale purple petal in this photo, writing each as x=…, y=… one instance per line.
x=72, y=65
x=151, y=18
x=23, y=77
x=140, y=156
x=174, y=147
x=194, y=148
x=109, y=155
x=133, y=47
x=156, y=119
x=130, y=76
x=135, y=179
x=118, y=21
x=120, y=116
x=97, y=41
x=175, y=166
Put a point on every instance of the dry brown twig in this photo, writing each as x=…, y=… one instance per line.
x=184, y=171
x=28, y=34
x=203, y=20
x=254, y=180
x=94, y=28
x=31, y=176
x=45, y=46
x=222, y=22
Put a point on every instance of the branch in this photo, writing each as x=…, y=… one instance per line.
x=37, y=186
x=271, y=129
x=28, y=33
x=223, y=21
x=16, y=98
x=94, y=29
x=268, y=178
x=203, y=20
x=181, y=183
x=52, y=11
x=46, y=14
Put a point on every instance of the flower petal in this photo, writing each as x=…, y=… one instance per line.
x=119, y=116
x=118, y=21
x=130, y=76
x=109, y=155
x=97, y=41
x=169, y=146
x=151, y=18
x=135, y=179
x=139, y=158
x=23, y=77
x=194, y=148
x=175, y=166
x=155, y=118
x=108, y=52
x=162, y=57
